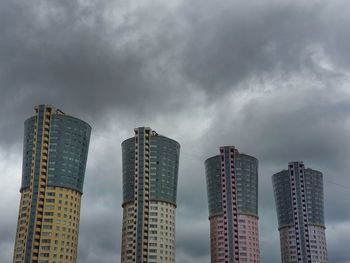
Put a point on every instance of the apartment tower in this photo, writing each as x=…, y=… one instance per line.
x=232, y=187
x=54, y=160
x=150, y=173
x=299, y=202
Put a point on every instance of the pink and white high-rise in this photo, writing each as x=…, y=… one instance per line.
x=232, y=186
x=300, y=212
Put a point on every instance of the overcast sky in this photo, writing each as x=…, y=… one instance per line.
x=270, y=77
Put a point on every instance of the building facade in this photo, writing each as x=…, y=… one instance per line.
x=299, y=202
x=150, y=174
x=54, y=160
x=232, y=187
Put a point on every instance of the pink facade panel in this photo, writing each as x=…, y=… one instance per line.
x=318, y=245
x=217, y=240
x=249, y=250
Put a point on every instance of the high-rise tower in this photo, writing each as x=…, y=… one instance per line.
x=232, y=186
x=299, y=202
x=54, y=160
x=150, y=172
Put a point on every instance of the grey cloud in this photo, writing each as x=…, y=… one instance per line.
x=232, y=41
x=192, y=239
x=269, y=236
x=120, y=65
x=78, y=57
x=340, y=252
x=93, y=57
x=99, y=238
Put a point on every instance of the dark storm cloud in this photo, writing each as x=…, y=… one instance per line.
x=238, y=41
x=194, y=238
x=233, y=41
x=86, y=58
x=121, y=63
x=89, y=57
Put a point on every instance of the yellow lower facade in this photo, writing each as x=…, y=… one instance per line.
x=160, y=244
x=55, y=237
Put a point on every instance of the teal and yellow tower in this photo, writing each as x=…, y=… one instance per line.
x=54, y=160
x=150, y=173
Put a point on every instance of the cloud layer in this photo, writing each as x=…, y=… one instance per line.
x=271, y=77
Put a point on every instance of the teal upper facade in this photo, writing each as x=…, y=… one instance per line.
x=246, y=173
x=213, y=176
x=68, y=147
x=313, y=181
x=164, y=156
x=28, y=152
x=246, y=170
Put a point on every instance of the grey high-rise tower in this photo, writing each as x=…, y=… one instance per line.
x=299, y=202
x=150, y=172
